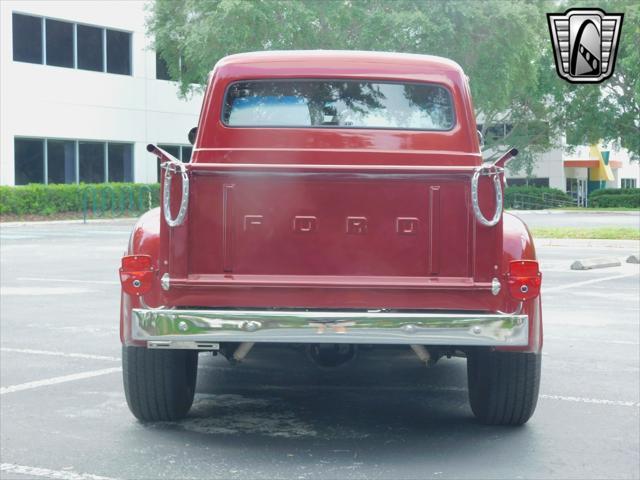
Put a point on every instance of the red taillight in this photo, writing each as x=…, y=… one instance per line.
x=136, y=274
x=524, y=279
x=133, y=263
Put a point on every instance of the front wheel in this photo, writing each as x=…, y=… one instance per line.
x=159, y=384
x=503, y=386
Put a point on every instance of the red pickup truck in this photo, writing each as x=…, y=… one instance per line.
x=333, y=200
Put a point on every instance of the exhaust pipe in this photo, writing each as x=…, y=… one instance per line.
x=242, y=351
x=423, y=354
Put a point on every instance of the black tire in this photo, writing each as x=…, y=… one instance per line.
x=159, y=384
x=503, y=386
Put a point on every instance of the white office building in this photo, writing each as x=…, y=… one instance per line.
x=82, y=93
x=572, y=168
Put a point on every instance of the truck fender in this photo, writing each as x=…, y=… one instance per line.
x=518, y=245
x=144, y=240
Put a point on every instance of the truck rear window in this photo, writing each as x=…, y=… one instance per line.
x=338, y=104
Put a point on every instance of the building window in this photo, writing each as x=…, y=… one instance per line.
x=71, y=161
x=496, y=132
x=531, y=182
x=61, y=161
x=118, y=52
x=29, y=161
x=27, y=38
x=90, y=48
x=181, y=152
x=162, y=70
x=120, y=162
x=71, y=45
x=59, y=43
x=628, y=183
x=91, y=162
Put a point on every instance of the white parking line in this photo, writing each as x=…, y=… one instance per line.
x=599, y=401
x=586, y=282
x=60, y=354
x=13, y=236
x=30, y=291
x=96, y=373
x=56, y=380
x=45, y=472
x=68, y=280
x=595, y=340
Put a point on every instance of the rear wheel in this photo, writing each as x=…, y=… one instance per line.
x=159, y=384
x=503, y=386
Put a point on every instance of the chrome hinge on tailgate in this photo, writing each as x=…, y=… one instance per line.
x=172, y=165
x=493, y=170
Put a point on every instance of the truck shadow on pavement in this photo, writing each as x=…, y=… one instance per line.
x=384, y=397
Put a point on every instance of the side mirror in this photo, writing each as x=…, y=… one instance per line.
x=192, y=135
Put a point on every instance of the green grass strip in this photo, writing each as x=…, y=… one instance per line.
x=606, y=233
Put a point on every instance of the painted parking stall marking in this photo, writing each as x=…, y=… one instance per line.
x=59, y=354
x=57, y=380
x=31, y=291
x=96, y=373
x=598, y=401
x=587, y=282
x=47, y=473
x=68, y=280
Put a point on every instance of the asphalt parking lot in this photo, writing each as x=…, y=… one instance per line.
x=63, y=413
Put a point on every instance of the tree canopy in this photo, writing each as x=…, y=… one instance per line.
x=503, y=46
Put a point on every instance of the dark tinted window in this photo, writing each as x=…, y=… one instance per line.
x=338, y=104
x=90, y=48
x=162, y=70
x=186, y=154
x=27, y=38
x=118, y=52
x=531, y=182
x=120, y=164
x=61, y=161
x=91, y=162
x=172, y=149
x=59, y=43
x=29, y=161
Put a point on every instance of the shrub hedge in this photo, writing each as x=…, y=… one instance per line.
x=615, y=197
x=614, y=191
x=103, y=198
x=532, y=198
x=117, y=198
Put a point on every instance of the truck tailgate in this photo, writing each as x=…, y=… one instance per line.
x=358, y=224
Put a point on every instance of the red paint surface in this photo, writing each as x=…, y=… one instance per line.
x=334, y=218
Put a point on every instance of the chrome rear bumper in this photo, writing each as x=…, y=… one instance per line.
x=202, y=329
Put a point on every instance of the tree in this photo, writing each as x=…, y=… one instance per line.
x=503, y=46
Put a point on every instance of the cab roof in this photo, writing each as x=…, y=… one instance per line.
x=325, y=61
